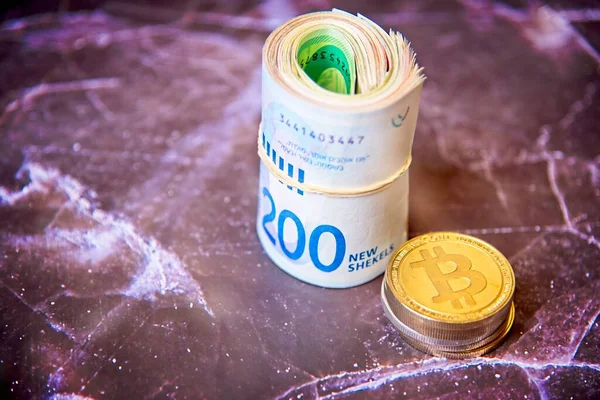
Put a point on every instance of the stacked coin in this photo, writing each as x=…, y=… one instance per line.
x=449, y=294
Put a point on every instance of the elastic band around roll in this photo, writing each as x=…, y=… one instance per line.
x=342, y=192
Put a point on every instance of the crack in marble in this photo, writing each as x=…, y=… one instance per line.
x=105, y=39
x=84, y=39
x=560, y=198
x=132, y=155
x=112, y=355
x=188, y=17
x=364, y=374
x=571, y=224
x=537, y=383
x=489, y=177
x=361, y=380
x=561, y=348
x=160, y=389
x=56, y=378
x=585, y=333
x=486, y=162
x=69, y=396
x=484, y=165
x=161, y=272
x=542, y=142
x=91, y=95
x=49, y=19
x=579, y=106
x=548, y=28
x=587, y=46
x=524, y=249
x=507, y=230
x=271, y=357
x=576, y=336
x=29, y=95
x=47, y=319
x=590, y=239
x=581, y=15
x=404, y=17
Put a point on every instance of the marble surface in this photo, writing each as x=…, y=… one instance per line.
x=129, y=265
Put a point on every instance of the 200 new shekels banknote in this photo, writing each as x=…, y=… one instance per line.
x=340, y=98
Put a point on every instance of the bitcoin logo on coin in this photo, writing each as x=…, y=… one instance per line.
x=461, y=269
x=449, y=294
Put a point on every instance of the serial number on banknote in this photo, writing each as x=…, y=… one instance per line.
x=322, y=137
x=325, y=55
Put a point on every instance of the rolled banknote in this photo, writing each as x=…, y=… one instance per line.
x=340, y=98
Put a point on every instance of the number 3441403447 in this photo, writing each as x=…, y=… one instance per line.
x=320, y=136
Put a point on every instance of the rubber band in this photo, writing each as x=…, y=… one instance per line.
x=341, y=192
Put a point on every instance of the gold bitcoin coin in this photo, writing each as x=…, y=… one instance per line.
x=449, y=293
x=451, y=278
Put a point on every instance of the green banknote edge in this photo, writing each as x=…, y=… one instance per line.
x=328, y=61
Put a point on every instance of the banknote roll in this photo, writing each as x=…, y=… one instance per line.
x=340, y=99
